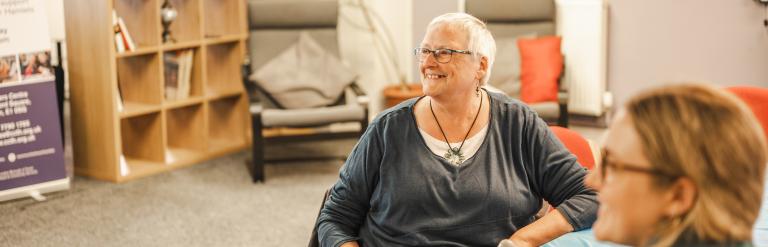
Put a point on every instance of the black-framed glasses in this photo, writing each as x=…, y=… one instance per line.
x=606, y=166
x=441, y=55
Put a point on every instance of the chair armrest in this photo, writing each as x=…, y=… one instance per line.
x=356, y=88
x=562, y=97
x=256, y=108
x=356, y=94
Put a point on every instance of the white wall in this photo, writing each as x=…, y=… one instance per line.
x=654, y=42
x=423, y=12
x=358, y=46
x=55, y=12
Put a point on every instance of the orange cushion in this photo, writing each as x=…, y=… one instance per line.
x=577, y=144
x=757, y=99
x=541, y=65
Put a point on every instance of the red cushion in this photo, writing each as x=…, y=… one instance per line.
x=757, y=99
x=541, y=65
x=577, y=144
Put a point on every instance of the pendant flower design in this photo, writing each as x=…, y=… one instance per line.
x=454, y=155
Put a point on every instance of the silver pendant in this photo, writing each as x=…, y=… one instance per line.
x=454, y=155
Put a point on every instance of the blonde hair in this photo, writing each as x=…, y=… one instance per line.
x=480, y=40
x=709, y=136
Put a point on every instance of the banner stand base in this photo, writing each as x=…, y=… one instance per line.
x=35, y=191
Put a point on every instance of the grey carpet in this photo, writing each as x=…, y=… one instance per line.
x=209, y=204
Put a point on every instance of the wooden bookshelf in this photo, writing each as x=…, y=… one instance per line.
x=123, y=126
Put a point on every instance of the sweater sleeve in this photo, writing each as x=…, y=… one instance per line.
x=346, y=208
x=557, y=176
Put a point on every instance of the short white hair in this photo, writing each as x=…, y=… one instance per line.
x=481, y=42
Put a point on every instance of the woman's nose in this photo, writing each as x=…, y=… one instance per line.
x=429, y=60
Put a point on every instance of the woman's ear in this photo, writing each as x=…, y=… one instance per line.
x=483, y=68
x=683, y=194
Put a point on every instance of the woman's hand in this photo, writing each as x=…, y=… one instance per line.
x=512, y=242
x=350, y=244
x=516, y=242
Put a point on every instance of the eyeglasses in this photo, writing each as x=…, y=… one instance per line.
x=606, y=165
x=441, y=55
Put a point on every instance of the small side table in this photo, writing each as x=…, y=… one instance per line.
x=395, y=94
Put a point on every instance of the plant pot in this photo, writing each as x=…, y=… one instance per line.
x=395, y=94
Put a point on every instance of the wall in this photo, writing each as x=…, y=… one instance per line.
x=359, y=48
x=55, y=13
x=423, y=13
x=655, y=42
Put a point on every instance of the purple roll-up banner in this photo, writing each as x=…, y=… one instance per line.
x=30, y=135
x=31, y=152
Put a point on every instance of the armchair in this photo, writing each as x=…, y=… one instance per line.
x=277, y=27
x=509, y=20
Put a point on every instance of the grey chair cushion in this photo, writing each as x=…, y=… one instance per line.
x=265, y=44
x=505, y=74
x=546, y=110
x=304, y=76
x=312, y=116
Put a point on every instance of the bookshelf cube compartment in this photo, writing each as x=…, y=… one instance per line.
x=138, y=80
x=182, y=74
x=142, y=18
x=227, y=122
x=186, y=136
x=142, y=143
x=223, y=64
x=186, y=26
x=223, y=17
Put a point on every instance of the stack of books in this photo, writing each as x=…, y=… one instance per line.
x=123, y=40
x=178, y=74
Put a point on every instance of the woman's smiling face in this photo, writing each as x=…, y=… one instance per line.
x=458, y=76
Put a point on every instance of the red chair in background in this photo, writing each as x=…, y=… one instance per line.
x=577, y=144
x=757, y=99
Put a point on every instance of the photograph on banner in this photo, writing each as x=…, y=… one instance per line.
x=9, y=69
x=36, y=65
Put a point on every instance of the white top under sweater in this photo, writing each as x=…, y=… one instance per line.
x=471, y=145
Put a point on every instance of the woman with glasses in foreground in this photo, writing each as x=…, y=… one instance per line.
x=682, y=165
x=459, y=166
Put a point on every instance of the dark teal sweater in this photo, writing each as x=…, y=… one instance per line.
x=393, y=191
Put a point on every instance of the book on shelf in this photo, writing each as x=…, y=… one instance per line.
x=186, y=74
x=178, y=74
x=171, y=74
x=120, y=106
x=124, y=169
x=123, y=40
x=169, y=157
x=119, y=44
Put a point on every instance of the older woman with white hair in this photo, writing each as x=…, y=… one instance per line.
x=459, y=166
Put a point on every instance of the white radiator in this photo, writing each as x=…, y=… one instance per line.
x=583, y=26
